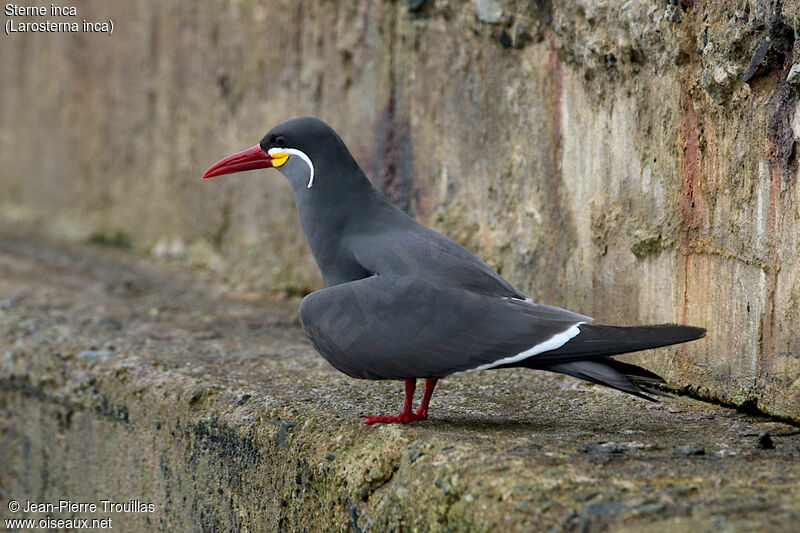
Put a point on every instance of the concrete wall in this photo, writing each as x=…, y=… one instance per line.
x=634, y=161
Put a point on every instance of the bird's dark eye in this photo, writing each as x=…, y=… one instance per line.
x=280, y=140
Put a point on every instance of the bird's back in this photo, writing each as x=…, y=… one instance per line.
x=391, y=242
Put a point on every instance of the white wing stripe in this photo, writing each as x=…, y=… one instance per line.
x=556, y=341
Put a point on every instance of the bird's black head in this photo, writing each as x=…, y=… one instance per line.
x=301, y=149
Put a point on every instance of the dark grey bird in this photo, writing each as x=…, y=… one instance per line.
x=404, y=302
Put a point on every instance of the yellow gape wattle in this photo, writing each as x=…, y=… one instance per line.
x=279, y=158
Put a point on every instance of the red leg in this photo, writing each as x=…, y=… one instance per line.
x=422, y=410
x=407, y=415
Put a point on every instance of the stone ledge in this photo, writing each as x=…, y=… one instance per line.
x=121, y=379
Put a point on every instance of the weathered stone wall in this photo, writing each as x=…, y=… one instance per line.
x=634, y=161
x=122, y=380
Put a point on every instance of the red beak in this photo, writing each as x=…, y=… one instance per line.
x=249, y=159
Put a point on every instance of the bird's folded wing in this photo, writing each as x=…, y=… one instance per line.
x=397, y=327
x=426, y=254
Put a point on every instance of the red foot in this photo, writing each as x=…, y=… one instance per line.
x=402, y=418
x=407, y=415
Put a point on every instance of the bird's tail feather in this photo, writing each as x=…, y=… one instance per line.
x=603, y=341
x=615, y=374
x=587, y=355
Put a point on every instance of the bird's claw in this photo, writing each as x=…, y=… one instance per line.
x=402, y=418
